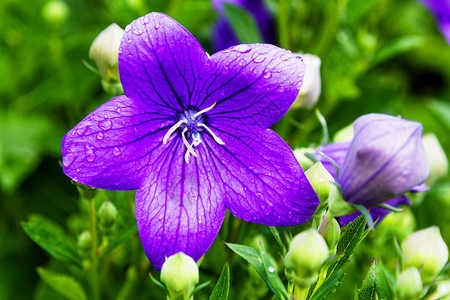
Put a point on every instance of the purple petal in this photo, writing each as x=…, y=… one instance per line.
x=224, y=36
x=335, y=151
x=112, y=146
x=378, y=214
x=254, y=84
x=161, y=63
x=441, y=11
x=420, y=188
x=263, y=182
x=179, y=207
x=386, y=159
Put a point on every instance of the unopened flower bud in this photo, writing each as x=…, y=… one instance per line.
x=333, y=233
x=409, y=284
x=321, y=181
x=304, y=161
x=107, y=215
x=55, y=12
x=86, y=192
x=437, y=158
x=310, y=90
x=84, y=242
x=105, y=52
x=426, y=250
x=307, y=253
x=180, y=275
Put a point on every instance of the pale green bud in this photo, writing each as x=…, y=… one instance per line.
x=345, y=134
x=55, y=12
x=180, y=275
x=304, y=161
x=311, y=87
x=105, y=52
x=307, y=253
x=403, y=224
x=409, y=284
x=107, y=215
x=426, y=250
x=442, y=291
x=436, y=157
x=84, y=242
x=321, y=181
x=333, y=233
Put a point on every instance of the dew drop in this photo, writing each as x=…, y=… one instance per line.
x=289, y=215
x=267, y=209
x=68, y=159
x=242, y=62
x=128, y=28
x=137, y=32
x=106, y=124
x=271, y=269
x=136, y=132
x=116, y=151
x=321, y=179
x=199, y=220
x=156, y=25
x=145, y=20
x=118, y=110
x=243, y=48
x=90, y=156
x=100, y=135
x=278, y=219
x=267, y=75
x=82, y=130
x=258, y=58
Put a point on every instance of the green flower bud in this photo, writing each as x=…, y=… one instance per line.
x=307, y=253
x=86, y=192
x=409, y=284
x=180, y=275
x=107, y=215
x=345, y=134
x=333, y=234
x=55, y=12
x=84, y=242
x=304, y=161
x=436, y=157
x=311, y=88
x=105, y=52
x=426, y=250
x=321, y=181
x=402, y=224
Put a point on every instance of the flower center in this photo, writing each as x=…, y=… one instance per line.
x=191, y=124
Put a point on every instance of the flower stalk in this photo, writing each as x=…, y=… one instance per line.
x=95, y=282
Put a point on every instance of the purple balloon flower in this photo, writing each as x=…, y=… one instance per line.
x=191, y=135
x=224, y=37
x=441, y=11
x=385, y=159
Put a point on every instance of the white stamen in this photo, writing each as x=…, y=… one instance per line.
x=216, y=138
x=172, y=129
x=204, y=110
x=186, y=143
x=186, y=155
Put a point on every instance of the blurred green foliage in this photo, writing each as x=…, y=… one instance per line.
x=377, y=56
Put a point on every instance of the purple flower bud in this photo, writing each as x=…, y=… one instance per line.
x=441, y=11
x=386, y=159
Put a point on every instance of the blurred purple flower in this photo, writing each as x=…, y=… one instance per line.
x=441, y=11
x=223, y=35
x=191, y=135
x=385, y=159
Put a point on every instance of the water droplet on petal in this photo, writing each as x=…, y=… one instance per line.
x=90, y=156
x=289, y=215
x=321, y=179
x=128, y=28
x=199, y=220
x=100, y=135
x=82, y=130
x=145, y=20
x=106, y=124
x=136, y=132
x=243, y=48
x=271, y=269
x=258, y=58
x=68, y=159
x=156, y=25
x=267, y=75
x=242, y=62
x=137, y=32
x=267, y=209
x=116, y=151
x=118, y=110
x=278, y=219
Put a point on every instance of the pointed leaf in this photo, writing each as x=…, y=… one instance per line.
x=328, y=285
x=272, y=274
x=63, y=284
x=222, y=288
x=369, y=289
x=50, y=237
x=253, y=256
x=243, y=24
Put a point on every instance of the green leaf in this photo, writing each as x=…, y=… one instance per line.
x=253, y=256
x=271, y=272
x=351, y=236
x=243, y=24
x=50, y=237
x=222, y=288
x=356, y=9
x=397, y=47
x=63, y=284
x=328, y=285
x=276, y=234
x=369, y=289
x=128, y=231
x=441, y=110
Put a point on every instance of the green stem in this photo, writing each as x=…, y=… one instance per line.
x=322, y=277
x=95, y=284
x=283, y=24
x=300, y=293
x=326, y=220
